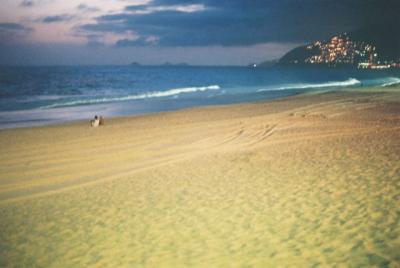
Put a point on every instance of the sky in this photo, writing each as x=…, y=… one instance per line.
x=200, y=32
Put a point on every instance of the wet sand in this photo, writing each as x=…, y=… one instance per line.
x=300, y=182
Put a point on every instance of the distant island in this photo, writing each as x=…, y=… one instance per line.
x=373, y=47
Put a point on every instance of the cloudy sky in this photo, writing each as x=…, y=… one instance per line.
x=205, y=32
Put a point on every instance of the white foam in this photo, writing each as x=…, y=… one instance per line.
x=147, y=95
x=390, y=81
x=346, y=83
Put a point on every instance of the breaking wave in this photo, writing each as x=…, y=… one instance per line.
x=147, y=95
x=391, y=81
x=346, y=83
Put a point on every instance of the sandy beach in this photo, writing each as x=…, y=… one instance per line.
x=307, y=181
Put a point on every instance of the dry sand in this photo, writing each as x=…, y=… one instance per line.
x=301, y=182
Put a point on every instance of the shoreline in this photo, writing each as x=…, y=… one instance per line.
x=300, y=181
x=216, y=106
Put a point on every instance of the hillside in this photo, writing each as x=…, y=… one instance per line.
x=367, y=47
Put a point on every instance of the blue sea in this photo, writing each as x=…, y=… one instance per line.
x=31, y=96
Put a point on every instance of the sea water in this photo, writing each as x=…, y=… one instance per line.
x=31, y=96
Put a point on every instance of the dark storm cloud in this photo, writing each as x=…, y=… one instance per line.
x=243, y=22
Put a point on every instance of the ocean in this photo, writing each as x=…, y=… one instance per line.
x=32, y=96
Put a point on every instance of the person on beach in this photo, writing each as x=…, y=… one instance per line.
x=95, y=122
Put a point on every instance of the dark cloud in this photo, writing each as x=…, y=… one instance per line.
x=243, y=22
x=10, y=32
x=11, y=26
x=95, y=44
x=141, y=41
x=93, y=40
x=129, y=43
x=57, y=18
x=136, y=8
x=104, y=28
x=27, y=3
